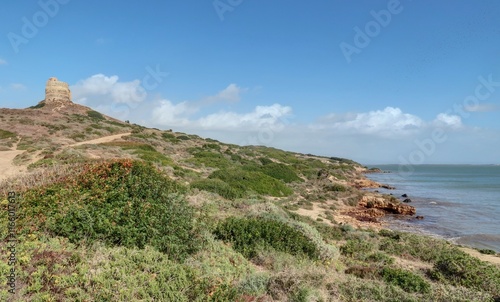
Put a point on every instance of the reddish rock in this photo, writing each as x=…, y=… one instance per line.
x=390, y=205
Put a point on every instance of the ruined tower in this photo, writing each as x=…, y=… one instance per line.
x=57, y=92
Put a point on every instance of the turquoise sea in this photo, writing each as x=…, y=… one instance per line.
x=459, y=202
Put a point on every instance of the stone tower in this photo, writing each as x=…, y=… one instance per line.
x=57, y=92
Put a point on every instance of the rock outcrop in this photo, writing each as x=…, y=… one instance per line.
x=390, y=205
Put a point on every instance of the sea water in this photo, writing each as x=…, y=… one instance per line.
x=459, y=202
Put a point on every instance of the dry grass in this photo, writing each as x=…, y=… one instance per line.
x=39, y=177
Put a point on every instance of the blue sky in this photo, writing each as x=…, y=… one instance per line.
x=376, y=81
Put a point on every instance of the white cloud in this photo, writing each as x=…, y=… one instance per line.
x=17, y=86
x=363, y=136
x=389, y=122
x=100, y=89
x=261, y=116
x=168, y=114
x=231, y=93
x=448, y=120
x=3, y=62
x=171, y=115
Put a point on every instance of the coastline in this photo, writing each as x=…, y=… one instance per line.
x=345, y=216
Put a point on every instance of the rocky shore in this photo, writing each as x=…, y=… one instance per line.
x=374, y=205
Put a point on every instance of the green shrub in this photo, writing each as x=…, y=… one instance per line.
x=411, y=245
x=6, y=134
x=380, y=257
x=280, y=171
x=118, y=124
x=359, y=290
x=243, y=181
x=153, y=157
x=217, y=186
x=255, y=284
x=460, y=269
x=129, y=275
x=46, y=269
x=265, y=160
x=487, y=252
x=329, y=232
x=407, y=280
x=54, y=128
x=26, y=121
x=357, y=248
x=247, y=235
x=236, y=157
x=95, y=115
x=183, y=137
x=390, y=234
x=280, y=155
x=77, y=136
x=38, y=106
x=209, y=159
x=306, y=225
x=219, y=262
x=168, y=135
x=212, y=146
x=46, y=162
x=335, y=187
x=302, y=294
x=120, y=203
x=143, y=151
x=364, y=271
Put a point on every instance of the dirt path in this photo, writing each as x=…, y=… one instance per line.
x=8, y=169
x=105, y=139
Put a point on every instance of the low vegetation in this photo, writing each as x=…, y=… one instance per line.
x=95, y=115
x=4, y=134
x=119, y=203
x=143, y=151
x=248, y=235
x=166, y=216
x=243, y=181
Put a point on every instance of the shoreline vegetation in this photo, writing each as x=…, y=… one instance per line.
x=166, y=216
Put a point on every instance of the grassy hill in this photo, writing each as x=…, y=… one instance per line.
x=110, y=211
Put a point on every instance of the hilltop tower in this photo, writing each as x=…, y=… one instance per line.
x=57, y=92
